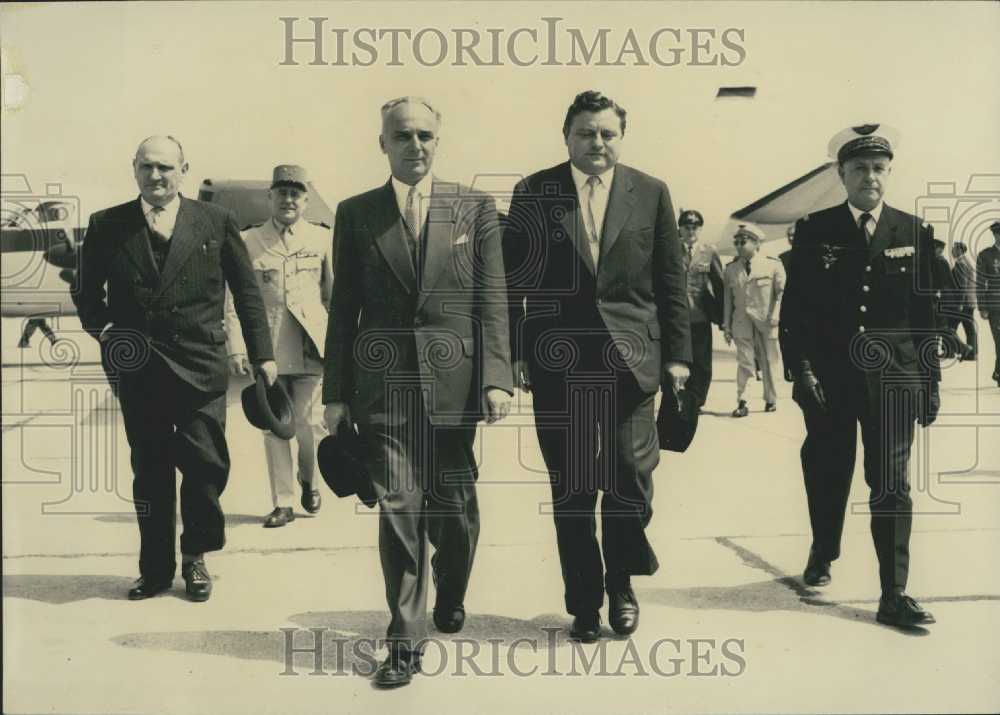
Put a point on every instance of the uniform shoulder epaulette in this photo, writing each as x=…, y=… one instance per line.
x=321, y=224
x=253, y=225
x=773, y=258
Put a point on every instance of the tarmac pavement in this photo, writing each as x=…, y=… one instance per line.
x=726, y=623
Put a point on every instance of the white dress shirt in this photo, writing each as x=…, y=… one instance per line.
x=167, y=219
x=602, y=191
x=422, y=197
x=875, y=214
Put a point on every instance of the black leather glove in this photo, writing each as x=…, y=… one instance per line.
x=932, y=405
x=809, y=385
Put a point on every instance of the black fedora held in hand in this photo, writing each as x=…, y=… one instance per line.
x=269, y=408
x=343, y=463
x=677, y=420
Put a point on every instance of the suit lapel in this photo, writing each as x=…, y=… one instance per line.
x=620, y=203
x=136, y=244
x=183, y=241
x=885, y=232
x=572, y=220
x=390, y=238
x=437, y=238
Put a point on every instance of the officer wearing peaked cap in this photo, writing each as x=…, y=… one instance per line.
x=861, y=344
x=753, y=290
x=704, y=289
x=291, y=260
x=988, y=291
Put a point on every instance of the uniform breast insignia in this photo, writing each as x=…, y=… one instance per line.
x=829, y=254
x=899, y=252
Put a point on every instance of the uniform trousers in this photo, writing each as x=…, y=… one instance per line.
x=760, y=344
x=828, y=454
x=307, y=407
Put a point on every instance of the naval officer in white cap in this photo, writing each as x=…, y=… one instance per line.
x=859, y=335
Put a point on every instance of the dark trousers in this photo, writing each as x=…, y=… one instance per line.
x=962, y=317
x=995, y=330
x=701, y=365
x=170, y=425
x=828, y=455
x=425, y=479
x=595, y=438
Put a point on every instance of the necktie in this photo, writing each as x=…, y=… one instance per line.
x=411, y=216
x=160, y=242
x=865, y=222
x=748, y=266
x=689, y=254
x=593, y=233
x=156, y=223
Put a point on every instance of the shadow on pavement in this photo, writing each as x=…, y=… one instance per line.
x=231, y=519
x=59, y=589
x=343, y=642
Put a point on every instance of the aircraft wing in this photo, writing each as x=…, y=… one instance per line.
x=818, y=189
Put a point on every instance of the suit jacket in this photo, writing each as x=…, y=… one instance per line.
x=963, y=275
x=988, y=279
x=704, y=283
x=562, y=303
x=177, y=314
x=446, y=327
x=857, y=310
x=753, y=299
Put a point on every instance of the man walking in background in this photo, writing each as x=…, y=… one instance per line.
x=292, y=262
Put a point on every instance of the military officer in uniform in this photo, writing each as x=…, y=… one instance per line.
x=988, y=291
x=704, y=289
x=862, y=339
x=753, y=289
x=292, y=264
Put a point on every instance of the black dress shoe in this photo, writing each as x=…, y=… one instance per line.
x=449, y=619
x=586, y=628
x=623, y=610
x=197, y=581
x=817, y=571
x=397, y=669
x=770, y=407
x=311, y=500
x=741, y=409
x=148, y=587
x=902, y=611
x=279, y=517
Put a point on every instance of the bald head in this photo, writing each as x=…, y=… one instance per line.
x=159, y=168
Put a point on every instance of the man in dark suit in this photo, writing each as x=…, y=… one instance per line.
x=153, y=274
x=862, y=342
x=963, y=304
x=705, y=299
x=988, y=291
x=417, y=354
x=599, y=323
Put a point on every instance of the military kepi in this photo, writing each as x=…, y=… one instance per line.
x=863, y=139
x=290, y=175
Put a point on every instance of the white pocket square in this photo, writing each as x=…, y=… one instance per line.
x=464, y=238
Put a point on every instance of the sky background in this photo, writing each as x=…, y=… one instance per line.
x=102, y=77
